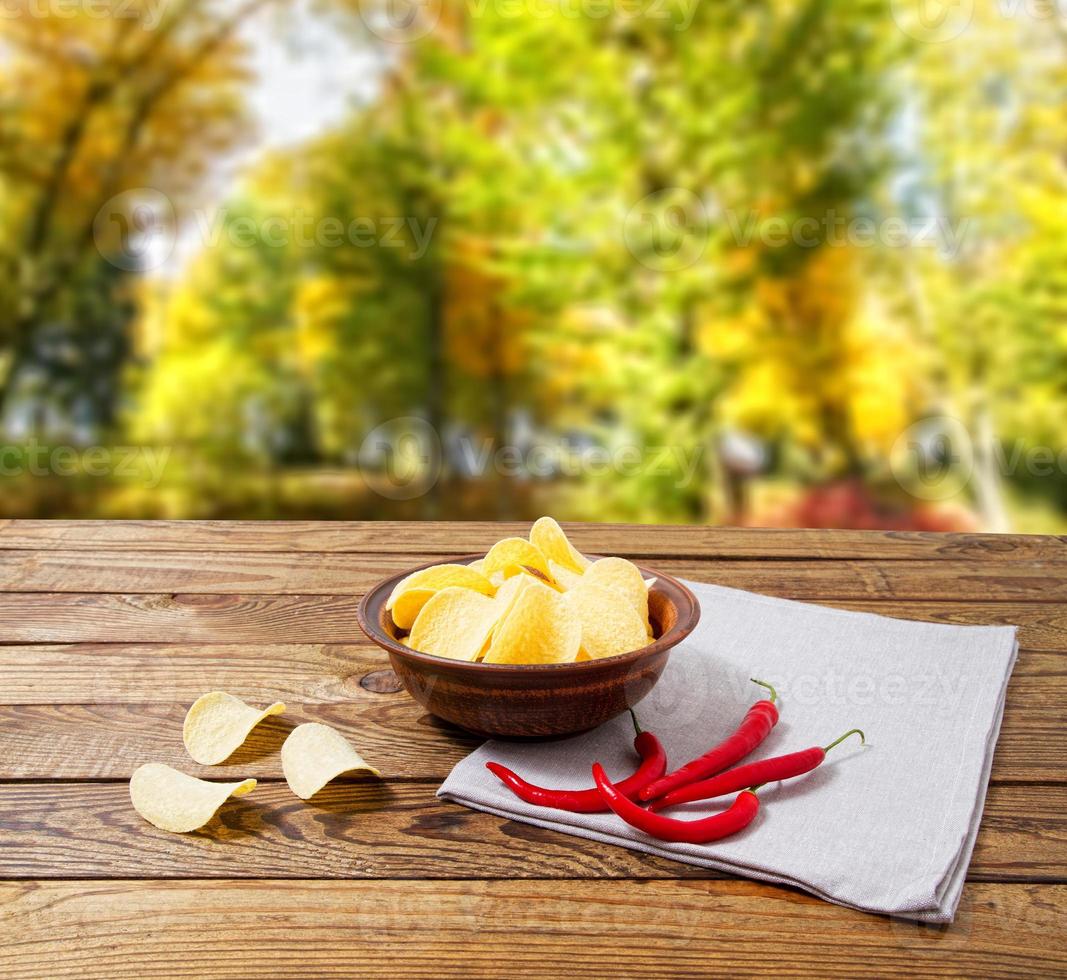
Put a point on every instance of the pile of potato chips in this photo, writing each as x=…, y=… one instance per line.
x=536, y=601
x=215, y=726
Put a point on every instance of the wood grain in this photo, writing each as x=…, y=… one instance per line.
x=94, y=618
x=86, y=711
x=640, y=929
x=109, y=741
x=222, y=573
x=108, y=630
x=459, y=537
x=373, y=829
x=278, y=619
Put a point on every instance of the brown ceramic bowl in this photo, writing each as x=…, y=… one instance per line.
x=534, y=700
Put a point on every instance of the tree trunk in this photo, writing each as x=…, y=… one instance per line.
x=986, y=476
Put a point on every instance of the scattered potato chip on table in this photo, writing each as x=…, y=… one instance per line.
x=315, y=754
x=217, y=725
x=174, y=801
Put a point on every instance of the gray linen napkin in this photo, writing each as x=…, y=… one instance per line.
x=886, y=828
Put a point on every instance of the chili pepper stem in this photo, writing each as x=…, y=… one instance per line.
x=637, y=726
x=774, y=693
x=838, y=741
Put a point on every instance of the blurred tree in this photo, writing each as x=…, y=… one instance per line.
x=93, y=106
x=989, y=135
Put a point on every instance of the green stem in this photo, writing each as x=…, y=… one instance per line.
x=774, y=693
x=838, y=741
x=637, y=727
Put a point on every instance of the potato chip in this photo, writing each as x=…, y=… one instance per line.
x=514, y=552
x=314, y=754
x=478, y=566
x=174, y=801
x=621, y=576
x=537, y=574
x=548, y=537
x=455, y=624
x=438, y=577
x=218, y=723
x=563, y=576
x=540, y=628
x=610, y=624
x=507, y=592
x=409, y=604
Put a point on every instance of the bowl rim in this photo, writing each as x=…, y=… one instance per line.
x=685, y=625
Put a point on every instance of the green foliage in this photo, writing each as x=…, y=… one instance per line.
x=565, y=224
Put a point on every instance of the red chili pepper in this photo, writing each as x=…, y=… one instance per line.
x=740, y=814
x=653, y=765
x=764, y=771
x=755, y=727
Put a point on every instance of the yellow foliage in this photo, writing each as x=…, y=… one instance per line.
x=320, y=303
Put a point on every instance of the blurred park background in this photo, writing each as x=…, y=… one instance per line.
x=760, y=262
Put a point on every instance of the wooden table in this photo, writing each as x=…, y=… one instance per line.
x=110, y=630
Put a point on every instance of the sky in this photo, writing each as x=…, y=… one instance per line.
x=308, y=75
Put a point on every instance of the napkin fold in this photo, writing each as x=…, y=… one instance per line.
x=885, y=828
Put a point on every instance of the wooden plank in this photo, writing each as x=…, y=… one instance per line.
x=641, y=929
x=89, y=618
x=374, y=829
x=210, y=573
x=109, y=741
x=646, y=929
x=115, y=673
x=310, y=673
x=274, y=573
x=93, y=711
x=459, y=537
x=37, y=617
